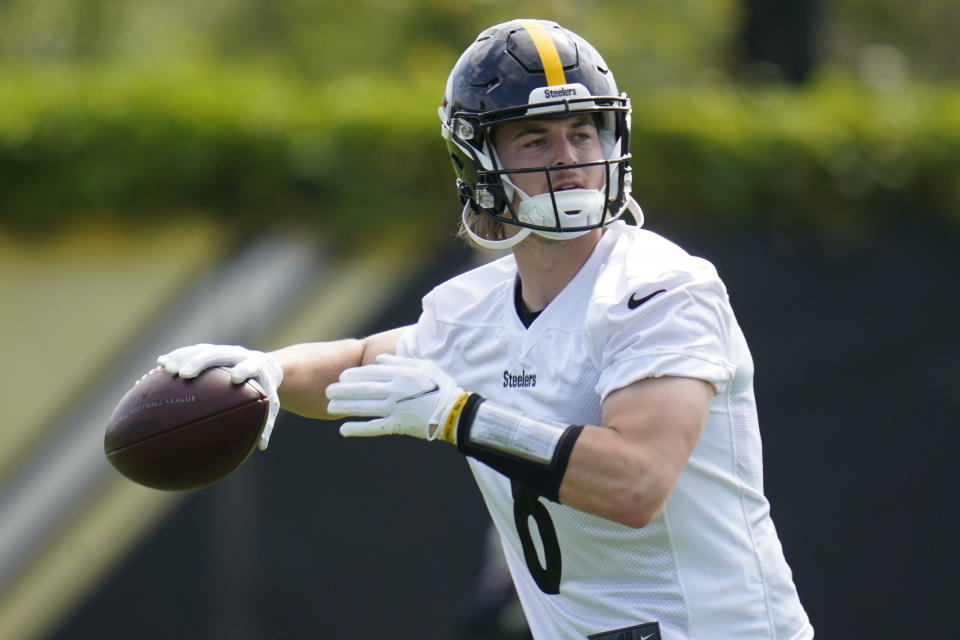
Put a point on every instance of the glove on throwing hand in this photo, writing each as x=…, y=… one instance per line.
x=406, y=396
x=245, y=364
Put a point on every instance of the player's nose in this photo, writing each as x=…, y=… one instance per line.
x=564, y=152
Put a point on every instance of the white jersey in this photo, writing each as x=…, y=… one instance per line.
x=711, y=566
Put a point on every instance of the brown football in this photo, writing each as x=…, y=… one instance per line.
x=176, y=434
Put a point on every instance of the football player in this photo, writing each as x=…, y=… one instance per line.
x=595, y=378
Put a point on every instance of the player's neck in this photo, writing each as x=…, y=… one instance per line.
x=546, y=266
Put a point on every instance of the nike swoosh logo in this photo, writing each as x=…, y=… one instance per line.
x=635, y=302
x=652, y=634
x=427, y=392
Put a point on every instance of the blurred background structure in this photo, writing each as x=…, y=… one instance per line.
x=271, y=172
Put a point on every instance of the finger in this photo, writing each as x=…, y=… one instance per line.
x=181, y=354
x=273, y=410
x=371, y=428
x=172, y=356
x=170, y=362
x=370, y=372
x=245, y=369
x=192, y=367
x=203, y=360
x=356, y=407
x=358, y=390
x=393, y=360
x=170, y=367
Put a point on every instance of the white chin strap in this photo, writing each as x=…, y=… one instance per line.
x=506, y=243
x=577, y=208
x=545, y=208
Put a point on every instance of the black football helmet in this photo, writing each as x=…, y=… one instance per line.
x=534, y=69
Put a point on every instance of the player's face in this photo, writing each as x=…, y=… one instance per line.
x=551, y=143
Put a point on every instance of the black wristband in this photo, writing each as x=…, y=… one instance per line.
x=466, y=418
x=544, y=479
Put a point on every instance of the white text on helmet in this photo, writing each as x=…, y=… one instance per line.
x=575, y=90
x=564, y=92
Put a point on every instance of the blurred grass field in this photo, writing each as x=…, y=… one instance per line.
x=72, y=299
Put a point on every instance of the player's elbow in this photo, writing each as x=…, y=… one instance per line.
x=637, y=512
x=640, y=502
x=624, y=484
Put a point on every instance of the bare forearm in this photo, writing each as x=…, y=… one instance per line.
x=310, y=367
x=609, y=478
x=307, y=370
x=626, y=471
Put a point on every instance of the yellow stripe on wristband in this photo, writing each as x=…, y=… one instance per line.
x=450, y=427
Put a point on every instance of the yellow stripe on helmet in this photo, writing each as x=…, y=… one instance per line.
x=552, y=66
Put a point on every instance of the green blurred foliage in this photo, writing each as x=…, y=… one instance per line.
x=657, y=40
x=838, y=157
x=247, y=143
x=918, y=38
x=647, y=41
x=109, y=140
x=326, y=111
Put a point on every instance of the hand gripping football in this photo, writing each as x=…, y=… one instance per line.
x=176, y=433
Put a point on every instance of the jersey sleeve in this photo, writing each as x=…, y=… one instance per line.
x=683, y=331
x=462, y=300
x=413, y=339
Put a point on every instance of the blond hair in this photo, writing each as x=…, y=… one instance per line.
x=482, y=225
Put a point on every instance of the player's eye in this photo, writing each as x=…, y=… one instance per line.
x=534, y=143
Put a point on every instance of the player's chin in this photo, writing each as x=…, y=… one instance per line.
x=578, y=236
x=537, y=239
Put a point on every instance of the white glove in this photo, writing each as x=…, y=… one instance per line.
x=246, y=364
x=414, y=398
